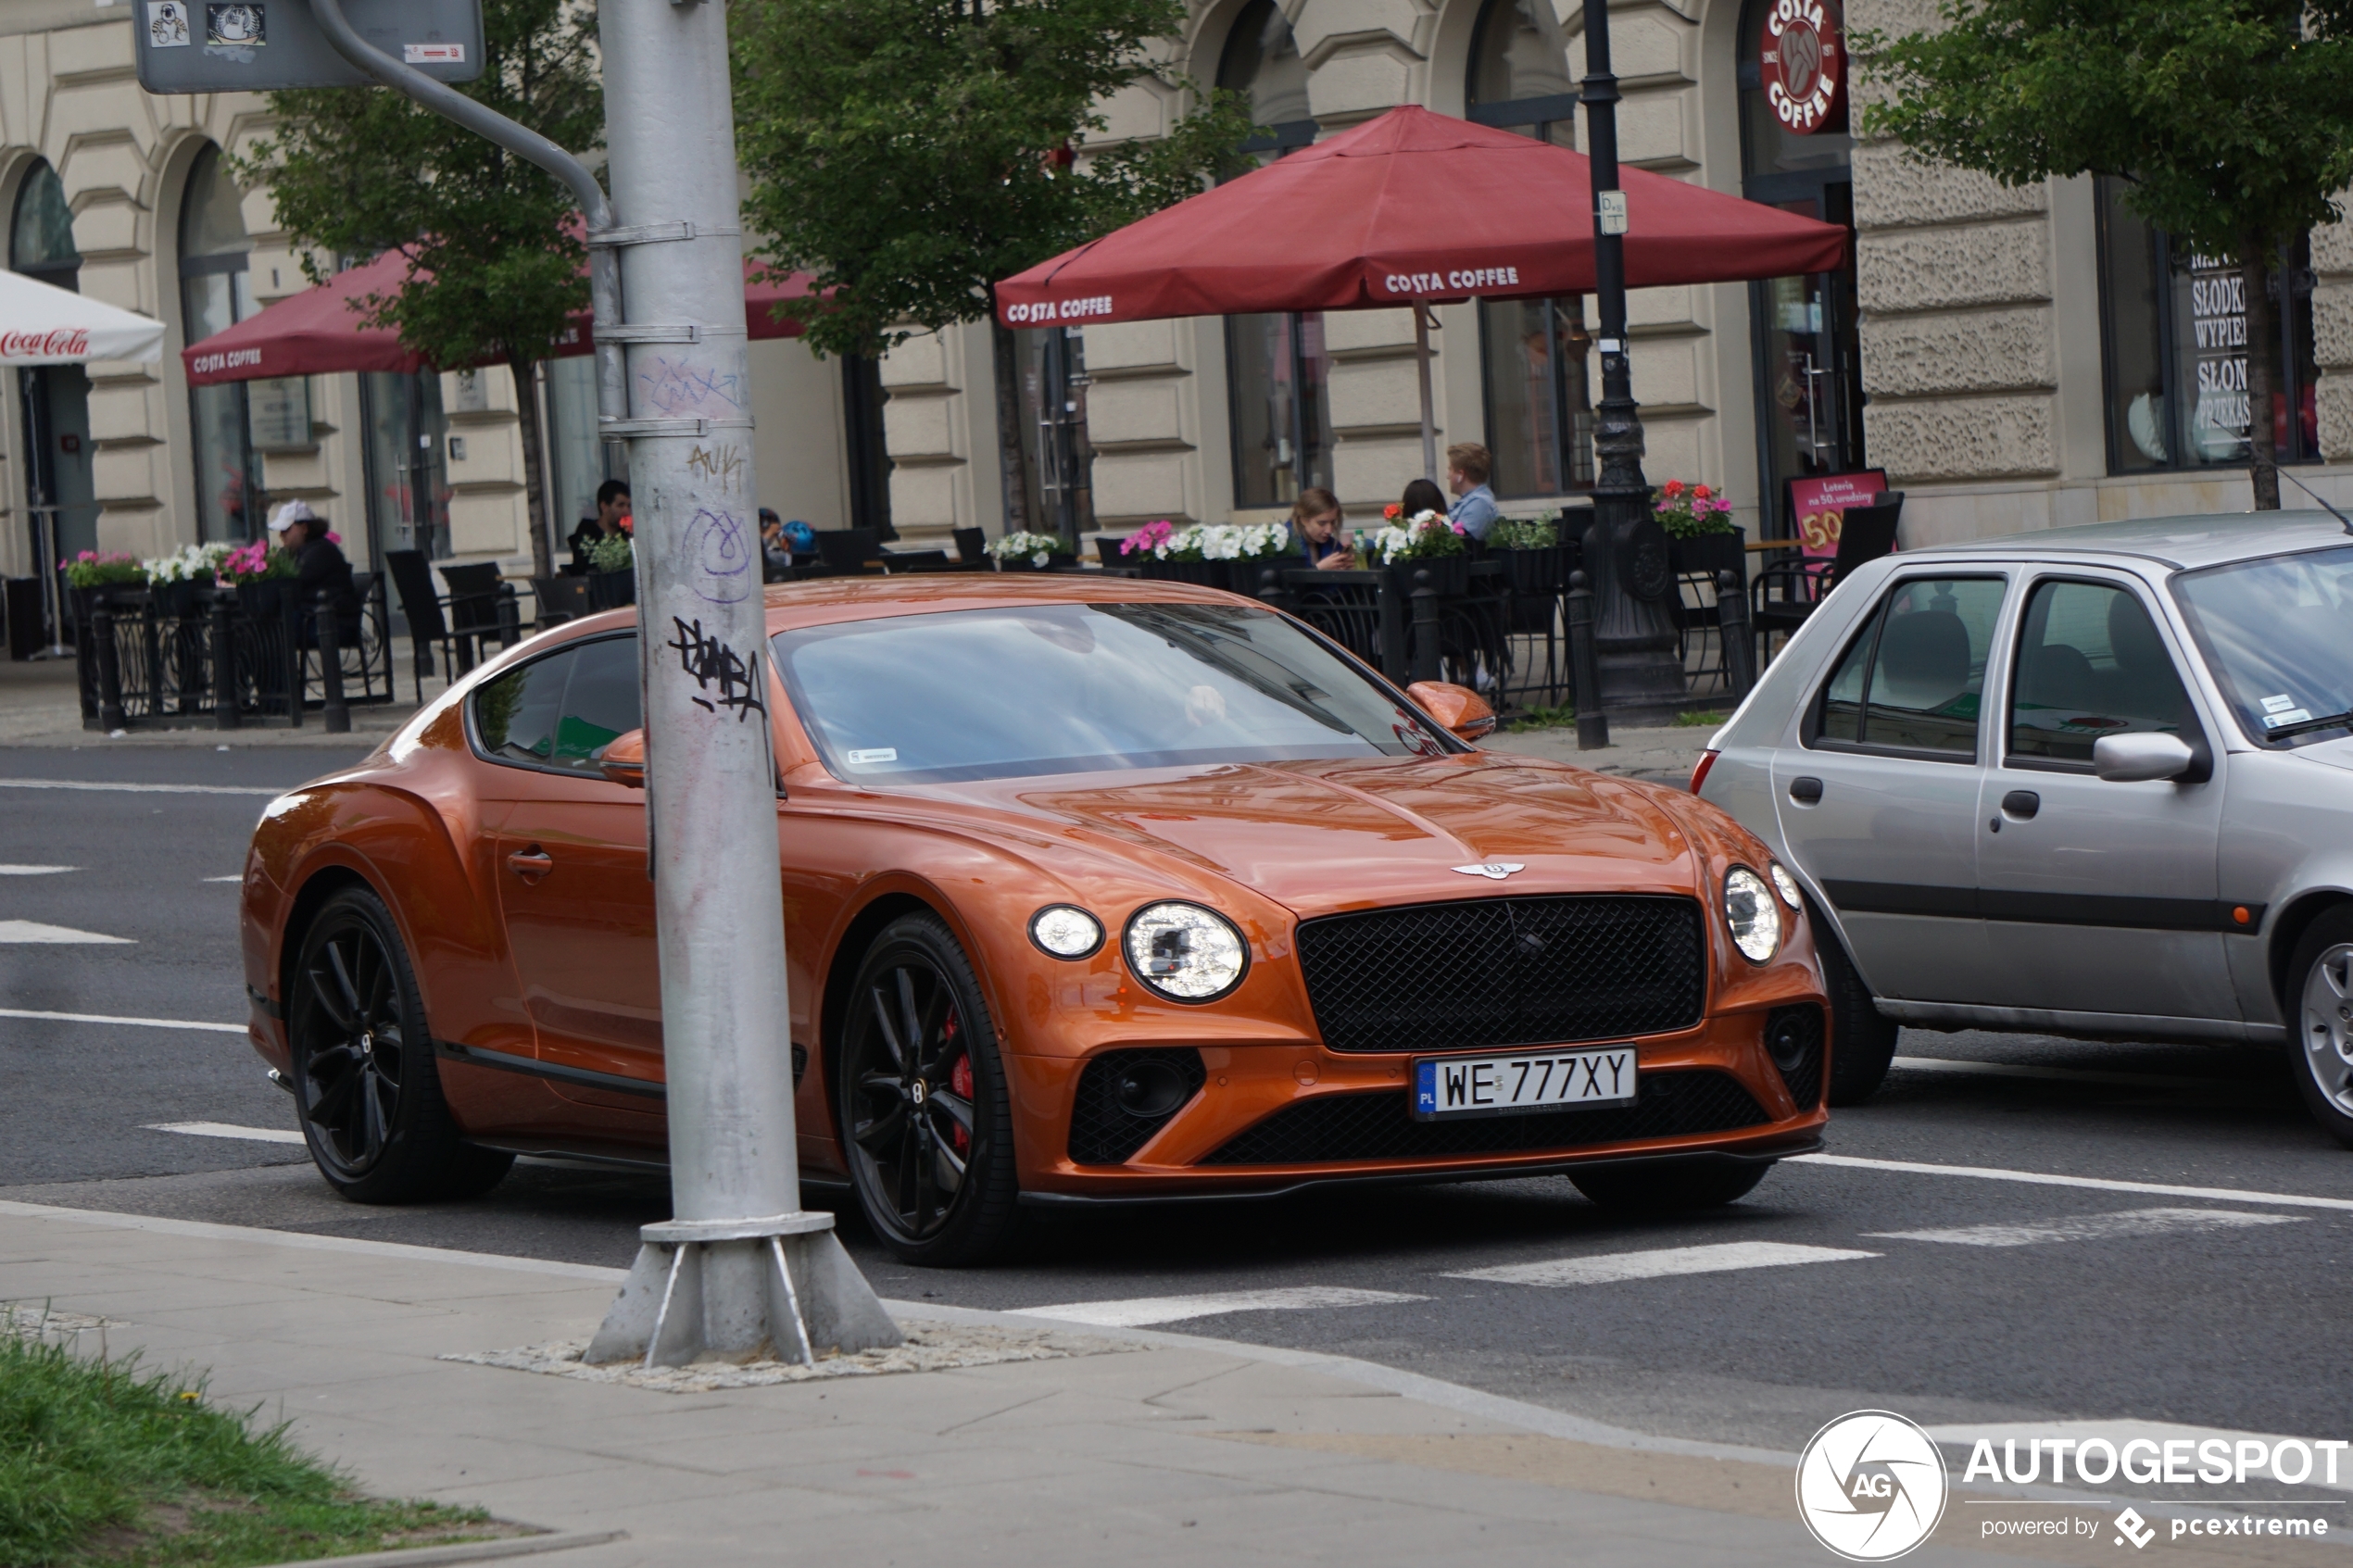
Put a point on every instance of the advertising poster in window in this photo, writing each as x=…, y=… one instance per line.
x=1820, y=507
x=2214, y=351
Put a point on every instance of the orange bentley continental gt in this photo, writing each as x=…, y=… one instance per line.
x=1094, y=889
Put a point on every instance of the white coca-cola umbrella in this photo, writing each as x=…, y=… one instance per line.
x=41, y=324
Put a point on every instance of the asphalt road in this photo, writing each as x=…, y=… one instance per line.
x=2101, y=1303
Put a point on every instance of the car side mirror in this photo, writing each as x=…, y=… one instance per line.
x=623, y=760
x=2136, y=758
x=1459, y=709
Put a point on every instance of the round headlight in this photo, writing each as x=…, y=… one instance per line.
x=1184, y=952
x=1066, y=931
x=1788, y=888
x=1749, y=910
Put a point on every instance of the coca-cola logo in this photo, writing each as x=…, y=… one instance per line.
x=61, y=343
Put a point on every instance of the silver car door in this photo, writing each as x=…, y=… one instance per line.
x=2100, y=897
x=1878, y=801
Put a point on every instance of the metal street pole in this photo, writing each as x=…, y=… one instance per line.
x=1626, y=559
x=742, y=1269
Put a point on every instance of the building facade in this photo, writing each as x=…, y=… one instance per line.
x=2011, y=359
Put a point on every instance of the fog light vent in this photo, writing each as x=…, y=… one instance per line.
x=1793, y=1039
x=1125, y=1096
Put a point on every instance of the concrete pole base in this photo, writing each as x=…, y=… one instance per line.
x=745, y=1290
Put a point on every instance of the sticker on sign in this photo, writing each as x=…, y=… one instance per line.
x=434, y=54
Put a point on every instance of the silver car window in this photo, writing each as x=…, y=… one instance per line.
x=1915, y=677
x=2090, y=663
x=2278, y=634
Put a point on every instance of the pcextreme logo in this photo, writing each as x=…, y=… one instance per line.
x=1871, y=1486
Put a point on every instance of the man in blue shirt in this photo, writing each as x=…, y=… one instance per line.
x=1467, y=466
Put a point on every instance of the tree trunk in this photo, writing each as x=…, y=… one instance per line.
x=534, y=491
x=1007, y=354
x=2262, y=372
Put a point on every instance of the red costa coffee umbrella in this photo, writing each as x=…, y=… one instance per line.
x=320, y=331
x=1410, y=209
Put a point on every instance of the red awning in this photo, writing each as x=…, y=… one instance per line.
x=1412, y=206
x=320, y=331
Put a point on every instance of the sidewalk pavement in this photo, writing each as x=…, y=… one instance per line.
x=1664, y=755
x=1147, y=1449
x=40, y=707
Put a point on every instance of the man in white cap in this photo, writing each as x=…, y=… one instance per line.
x=319, y=561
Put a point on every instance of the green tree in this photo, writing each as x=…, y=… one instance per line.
x=496, y=242
x=908, y=153
x=2231, y=120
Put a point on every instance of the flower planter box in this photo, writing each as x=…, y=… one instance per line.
x=1205, y=573
x=611, y=590
x=1712, y=554
x=1537, y=578
x=1448, y=574
x=1024, y=563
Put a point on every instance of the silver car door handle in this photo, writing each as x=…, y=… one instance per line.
x=1805, y=791
x=2022, y=804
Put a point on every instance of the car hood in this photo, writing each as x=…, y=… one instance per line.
x=1325, y=836
x=2334, y=753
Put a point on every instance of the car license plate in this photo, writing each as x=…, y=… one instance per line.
x=1447, y=1087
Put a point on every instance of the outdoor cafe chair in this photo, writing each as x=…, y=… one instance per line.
x=1787, y=591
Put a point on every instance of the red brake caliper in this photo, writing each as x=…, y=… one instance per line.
x=960, y=1081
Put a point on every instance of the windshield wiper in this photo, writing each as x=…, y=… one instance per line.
x=2306, y=726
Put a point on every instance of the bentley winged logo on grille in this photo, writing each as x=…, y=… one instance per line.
x=1494, y=870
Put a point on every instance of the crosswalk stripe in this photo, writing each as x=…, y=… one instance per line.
x=32, y=931
x=2096, y=1183
x=226, y=1130
x=2092, y=1227
x=35, y=870
x=1611, y=1267
x=108, y=1018
x=1145, y=1310
x=138, y=788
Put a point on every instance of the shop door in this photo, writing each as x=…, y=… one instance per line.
x=1809, y=363
x=61, y=517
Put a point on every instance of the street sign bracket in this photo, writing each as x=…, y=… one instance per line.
x=652, y=331
x=655, y=233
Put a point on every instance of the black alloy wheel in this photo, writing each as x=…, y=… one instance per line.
x=365, y=1083
x=925, y=1113
x=1862, y=1037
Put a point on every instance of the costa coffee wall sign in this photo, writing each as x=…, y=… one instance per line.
x=1804, y=62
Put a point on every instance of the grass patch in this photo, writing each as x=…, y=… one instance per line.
x=1697, y=720
x=1541, y=718
x=104, y=1465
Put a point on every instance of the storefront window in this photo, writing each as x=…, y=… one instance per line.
x=216, y=293
x=1057, y=460
x=1805, y=329
x=2174, y=324
x=583, y=461
x=1278, y=376
x=1533, y=353
x=56, y=399
x=408, y=487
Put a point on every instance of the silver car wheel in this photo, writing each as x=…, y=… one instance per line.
x=2328, y=1025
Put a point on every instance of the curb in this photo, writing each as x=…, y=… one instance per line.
x=467, y=1551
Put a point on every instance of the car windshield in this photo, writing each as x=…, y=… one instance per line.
x=2278, y=634
x=1067, y=688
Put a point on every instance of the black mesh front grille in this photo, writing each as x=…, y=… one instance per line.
x=1803, y=1077
x=1101, y=1131
x=1504, y=972
x=1381, y=1126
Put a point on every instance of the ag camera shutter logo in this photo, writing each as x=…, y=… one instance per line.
x=1871, y=1486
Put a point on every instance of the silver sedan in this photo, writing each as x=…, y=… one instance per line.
x=2094, y=781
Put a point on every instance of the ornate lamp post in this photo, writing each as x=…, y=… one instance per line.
x=1626, y=560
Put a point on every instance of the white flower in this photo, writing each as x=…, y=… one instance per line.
x=1039, y=547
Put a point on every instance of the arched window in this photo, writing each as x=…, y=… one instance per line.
x=57, y=485
x=216, y=293
x=1533, y=353
x=1276, y=372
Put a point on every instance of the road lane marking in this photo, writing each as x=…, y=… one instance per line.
x=2096, y=1184
x=2060, y=1075
x=35, y=870
x=1611, y=1267
x=239, y=877
x=33, y=930
x=1175, y=1308
x=2092, y=1227
x=140, y=788
x=105, y=1018
x=226, y=1130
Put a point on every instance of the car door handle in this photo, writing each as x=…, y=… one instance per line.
x=532, y=863
x=2022, y=804
x=1805, y=791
